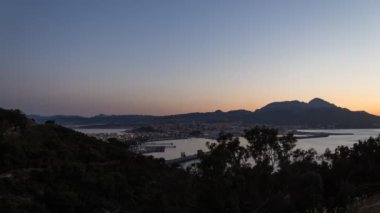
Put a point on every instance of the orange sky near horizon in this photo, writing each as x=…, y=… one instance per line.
x=252, y=105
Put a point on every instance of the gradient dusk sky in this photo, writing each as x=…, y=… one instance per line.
x=165, y=57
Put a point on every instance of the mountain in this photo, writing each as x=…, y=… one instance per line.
x=317, y=113
x=113, y=121
x=320, y=103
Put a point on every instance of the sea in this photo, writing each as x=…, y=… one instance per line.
x=190, y=146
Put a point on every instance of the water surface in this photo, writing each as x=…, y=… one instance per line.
x=191, y=145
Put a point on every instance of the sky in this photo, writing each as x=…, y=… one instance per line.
x=163, y=57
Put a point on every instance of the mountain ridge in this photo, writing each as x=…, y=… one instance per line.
x=317, y=113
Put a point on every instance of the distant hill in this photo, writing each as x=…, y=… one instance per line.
x=317, y=113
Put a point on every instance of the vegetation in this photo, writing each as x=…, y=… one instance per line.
x=49, y=168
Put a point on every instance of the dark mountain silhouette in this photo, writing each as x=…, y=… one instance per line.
x=320, y=103
x=318, y=113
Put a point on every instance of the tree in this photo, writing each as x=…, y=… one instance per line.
x=268, y=149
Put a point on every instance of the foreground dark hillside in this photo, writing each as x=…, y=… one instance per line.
x=49, y=168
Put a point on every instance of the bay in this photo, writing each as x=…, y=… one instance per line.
x=190, y=146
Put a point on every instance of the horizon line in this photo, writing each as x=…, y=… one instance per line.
x=190, y=112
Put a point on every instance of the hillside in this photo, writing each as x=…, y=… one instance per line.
x=49, y=168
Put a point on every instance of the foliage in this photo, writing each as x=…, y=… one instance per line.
x=283, y=179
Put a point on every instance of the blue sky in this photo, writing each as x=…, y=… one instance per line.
x=164, y=57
